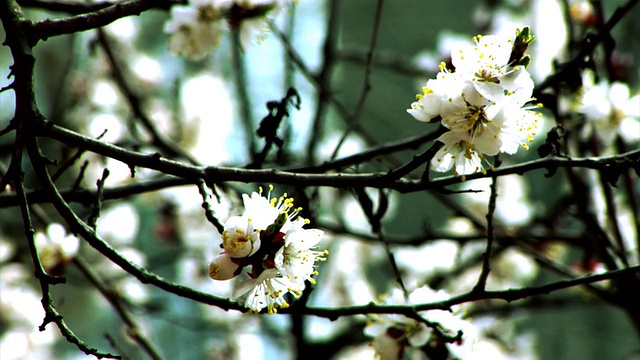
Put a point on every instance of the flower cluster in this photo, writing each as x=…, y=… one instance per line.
x=56, y=249
x=481, y=103
x=196, y=28
x=395, y=336
x=269, y=237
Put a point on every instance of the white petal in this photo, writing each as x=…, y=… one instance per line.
x=56, y=233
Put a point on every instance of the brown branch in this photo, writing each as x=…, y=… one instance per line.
x=505, y=295
x=213, y=174
x=77, y=8
x=45, y=29
x=486, y=256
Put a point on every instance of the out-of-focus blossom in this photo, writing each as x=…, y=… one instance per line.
x=196, y=29
x=609, y=110
x=56, y=249
x=395, y=334
x=582, y=12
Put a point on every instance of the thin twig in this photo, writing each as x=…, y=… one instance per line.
x=322, y=79
x=208, y=211
x=586, y=49
x=92, y=221
x=241, y=85
x=486, y=257
x=134, y=101
x=366, y=86
x=114, y=299
x=367, y=155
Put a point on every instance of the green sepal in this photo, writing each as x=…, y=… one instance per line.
x=520, y=45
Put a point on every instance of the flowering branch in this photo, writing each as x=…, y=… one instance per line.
x=79, y=227
x=482, y=105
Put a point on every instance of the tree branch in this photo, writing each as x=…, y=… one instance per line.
x=213, y=174
x=45, y=29
x=505, y=295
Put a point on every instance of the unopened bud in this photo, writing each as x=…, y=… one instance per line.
x=222, y=267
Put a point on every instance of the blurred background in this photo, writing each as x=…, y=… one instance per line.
x=211, y=108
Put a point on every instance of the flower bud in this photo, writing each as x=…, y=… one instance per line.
x=222, y=267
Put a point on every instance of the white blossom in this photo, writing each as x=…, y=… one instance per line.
x=269, y=238
x=457, y=153
x=396, y=334
x=609, y=109
x=196, y=29
x=240, y=238
x=296, y=258
x=481, y=103
x=56, y=248
x=268, y=290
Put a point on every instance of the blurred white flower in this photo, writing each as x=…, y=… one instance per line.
x=250, y=18
x=119, y=224
x=395, y=334
x=197, y=28
x=56, y=248
x=608, y=109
